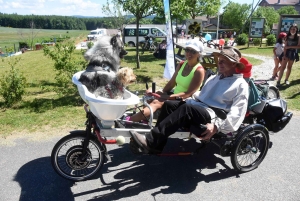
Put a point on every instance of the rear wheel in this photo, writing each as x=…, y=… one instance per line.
x=273, y=92
x=131, y=44
x=69, y=162
x=250, y=148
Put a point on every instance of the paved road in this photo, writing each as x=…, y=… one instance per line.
x=26, y=174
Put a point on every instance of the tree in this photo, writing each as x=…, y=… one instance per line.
x=114, y=10
x=202, y=7
x=235, y=15
x=29, y=36
x=140, y=9
x=287, y=10
x=270, y=15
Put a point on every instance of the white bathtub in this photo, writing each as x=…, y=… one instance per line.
x=105, y=109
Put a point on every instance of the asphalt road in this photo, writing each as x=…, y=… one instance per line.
x=26, y=174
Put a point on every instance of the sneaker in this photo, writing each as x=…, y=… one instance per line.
x=286, y=82
x=126, y=117
x=278, y=84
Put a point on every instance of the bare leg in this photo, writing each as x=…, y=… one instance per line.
x=289, y=69
x=155, y=104
x=276, y=68
x=282, y=68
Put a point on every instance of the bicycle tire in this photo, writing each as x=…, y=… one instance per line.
x=65, y=157
x=250, y=148
x=273, y=92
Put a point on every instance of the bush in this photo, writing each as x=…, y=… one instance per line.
x=256, y=41
x=90, y=44
x=242, y=39
x=65, y=64
x=271, y=39
x=12, y=84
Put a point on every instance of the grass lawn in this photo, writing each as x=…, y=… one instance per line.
x=43, y=110
x=10, y=37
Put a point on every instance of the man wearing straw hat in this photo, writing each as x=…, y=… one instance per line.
x=227, y=91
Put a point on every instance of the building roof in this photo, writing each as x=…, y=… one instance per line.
x=280, y=2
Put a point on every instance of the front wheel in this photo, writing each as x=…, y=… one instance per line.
x=69, y=162
x=250, y=148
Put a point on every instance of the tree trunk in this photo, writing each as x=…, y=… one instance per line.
x=137, y=43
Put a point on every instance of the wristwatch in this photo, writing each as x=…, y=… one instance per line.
x=178, y=98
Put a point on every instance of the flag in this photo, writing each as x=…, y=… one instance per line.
x=170, y=59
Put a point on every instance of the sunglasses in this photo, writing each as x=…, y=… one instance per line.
x=190, y=51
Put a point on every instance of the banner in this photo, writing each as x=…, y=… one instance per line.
x=170, y=59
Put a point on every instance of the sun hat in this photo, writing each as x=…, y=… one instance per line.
x=282, y=35
x=247, y=70
x=232, y=54
x=195, y=44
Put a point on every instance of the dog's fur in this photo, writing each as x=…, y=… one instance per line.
x=101, y=76
x=115, y=87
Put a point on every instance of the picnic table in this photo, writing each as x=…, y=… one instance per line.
x=208, y=61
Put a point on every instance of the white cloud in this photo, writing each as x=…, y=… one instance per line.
x=26, y=4
x=53, y=7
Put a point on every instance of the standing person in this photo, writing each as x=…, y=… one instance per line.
x=290, y=54
x=187, y=79
x=182, y=33
x=161, y=50
x=227, y=91
x=277, y=51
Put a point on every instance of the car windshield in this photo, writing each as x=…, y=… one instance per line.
x=93, y=32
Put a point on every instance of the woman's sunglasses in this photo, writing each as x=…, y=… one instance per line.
x=190, y=51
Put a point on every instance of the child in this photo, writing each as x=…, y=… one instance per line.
x=277, y=51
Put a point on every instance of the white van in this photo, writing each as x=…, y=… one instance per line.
x=95, y=34
x=129, y=34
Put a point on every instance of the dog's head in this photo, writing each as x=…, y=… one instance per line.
x=118, y=45
x=107, y=51
x=126, y=76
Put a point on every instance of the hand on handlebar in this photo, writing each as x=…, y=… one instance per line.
x=211, y=129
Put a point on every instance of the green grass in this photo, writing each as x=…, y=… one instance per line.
x=43, y=110
x=10, y=37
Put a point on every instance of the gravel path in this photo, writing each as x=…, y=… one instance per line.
x=264, y=70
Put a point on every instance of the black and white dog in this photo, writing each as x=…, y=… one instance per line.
x=101, y=76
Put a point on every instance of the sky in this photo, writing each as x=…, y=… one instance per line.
x=63, y=7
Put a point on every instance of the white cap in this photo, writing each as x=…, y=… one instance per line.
x=195, y=44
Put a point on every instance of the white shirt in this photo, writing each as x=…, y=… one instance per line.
x=230, y=94
x=279, y=49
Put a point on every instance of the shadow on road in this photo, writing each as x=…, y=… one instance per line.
x=38, y=181
x=174, y=174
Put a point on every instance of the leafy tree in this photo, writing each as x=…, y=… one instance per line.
x=114, y=9
x=140, y=9
x=235, y=15
x=287, y=10
x=65, y=64
x=202, y=7
x=270, y=15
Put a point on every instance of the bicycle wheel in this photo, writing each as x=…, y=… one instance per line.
x=153, y=46
x=250, y=148
x=67, y=159
x=273, y=92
